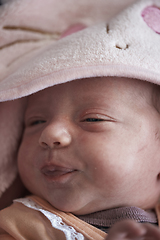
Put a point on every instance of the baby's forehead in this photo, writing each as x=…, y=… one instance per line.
x=98, y=85
x=107, y=89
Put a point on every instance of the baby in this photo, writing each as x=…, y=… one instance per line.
x=89, y=145
x=90, y=148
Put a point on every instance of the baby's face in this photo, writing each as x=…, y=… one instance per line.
x=92, y=144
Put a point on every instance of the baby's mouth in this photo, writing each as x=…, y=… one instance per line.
x=56, y=172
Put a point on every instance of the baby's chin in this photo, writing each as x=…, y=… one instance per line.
x=81, y=208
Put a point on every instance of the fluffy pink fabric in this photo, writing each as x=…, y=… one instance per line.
x=151, y=16
x=73, y=29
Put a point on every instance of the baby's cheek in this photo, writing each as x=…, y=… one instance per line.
x=23, y=165
x=27, y=177
x=106, y=175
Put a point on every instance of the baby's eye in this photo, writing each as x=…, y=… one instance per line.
x=36, y=122
x=93, y=120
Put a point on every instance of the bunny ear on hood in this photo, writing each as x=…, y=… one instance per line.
x=28, y=30
x=128, y=46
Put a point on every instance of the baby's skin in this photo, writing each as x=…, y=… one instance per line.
x=130, y=230
x=93, y=144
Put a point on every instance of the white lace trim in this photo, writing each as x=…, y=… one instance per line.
x=57, y=222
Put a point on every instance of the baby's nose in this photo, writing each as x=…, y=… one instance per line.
x=55, y=136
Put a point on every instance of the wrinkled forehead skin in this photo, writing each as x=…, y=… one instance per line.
x=27, y=27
